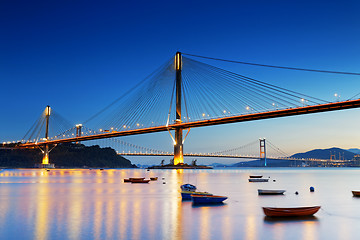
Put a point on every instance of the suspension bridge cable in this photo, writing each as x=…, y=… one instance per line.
x=260, y=83
x=236, y=148
x=273, y=66
x=217, y=92
x=353, y=96
x=276, y=148
x=125, y=94
x=28, y=136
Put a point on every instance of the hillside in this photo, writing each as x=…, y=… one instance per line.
x=337, y=153
x=67, y=155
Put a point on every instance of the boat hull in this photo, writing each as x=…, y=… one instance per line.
x=207, y=199
x=139, y=181
x=133, y=179
x=255, y=176
x=291, y=212
x=258, y=179
x=270, y=192
x=186, y=195
x=356, y=193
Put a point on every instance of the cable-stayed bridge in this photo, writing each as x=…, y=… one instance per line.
x=180, y=95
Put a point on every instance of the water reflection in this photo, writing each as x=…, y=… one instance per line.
x=208, y=205
x=94, y=204
x=273, y=220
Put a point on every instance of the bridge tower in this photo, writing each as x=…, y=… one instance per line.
x=45, y=161
x=78, y=131
x=178, y=144
x=263, y=150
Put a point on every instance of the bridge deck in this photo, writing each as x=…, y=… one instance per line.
x=224, y=120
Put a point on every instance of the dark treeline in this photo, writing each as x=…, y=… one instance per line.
x=67, y=155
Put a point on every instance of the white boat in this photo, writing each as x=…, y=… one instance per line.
x=270, y=192
x=258, y=179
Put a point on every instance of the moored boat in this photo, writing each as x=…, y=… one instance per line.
x=136, y=178
x=154, y=178
x=255, y=176
x=356, y=193
x=139, y=180
x=130, y=179
x=207, y=199
x=258, y=179
x=290, y=212
x=270, y=192
x=186, y=195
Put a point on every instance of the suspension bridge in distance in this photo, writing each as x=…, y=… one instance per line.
x=196, y=95
x=231, y=153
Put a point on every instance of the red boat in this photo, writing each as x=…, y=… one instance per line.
x=290, y=212
x=139, y=180
x=356, y=193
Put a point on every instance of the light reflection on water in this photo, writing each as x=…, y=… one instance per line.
x=94, y=204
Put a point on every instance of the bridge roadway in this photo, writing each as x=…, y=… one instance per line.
x=233, y=156
x=216, y=121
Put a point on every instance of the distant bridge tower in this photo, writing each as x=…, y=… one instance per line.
x=78, y=130
x=263, y=150
x=45, y=161
x=178, y=144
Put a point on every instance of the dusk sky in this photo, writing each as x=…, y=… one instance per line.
x=79, y=56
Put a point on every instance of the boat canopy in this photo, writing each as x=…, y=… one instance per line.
x=188, y=187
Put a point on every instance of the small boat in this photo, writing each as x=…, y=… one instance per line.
x=255, y=176
x=130, y=179
x=186, y=195
x=207, y=199
x=270, y=192
x=139, y=180
x=154, y=178
x=356, y=193
x=290, y=212
x=258, y=179
x=188, y=187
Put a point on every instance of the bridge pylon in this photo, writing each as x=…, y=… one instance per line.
x=45, y=161
x=178, y=144
x=263, y=150
x=78, y=131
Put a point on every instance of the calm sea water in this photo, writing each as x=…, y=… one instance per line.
x=94, y=204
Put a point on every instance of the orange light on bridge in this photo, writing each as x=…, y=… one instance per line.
x=45, y=159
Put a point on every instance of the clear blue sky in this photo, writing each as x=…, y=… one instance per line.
x=78, y=56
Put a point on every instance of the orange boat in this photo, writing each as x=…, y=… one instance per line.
x=290, y=212
x=356, y=193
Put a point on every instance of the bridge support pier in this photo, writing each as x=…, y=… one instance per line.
x=178, y=147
